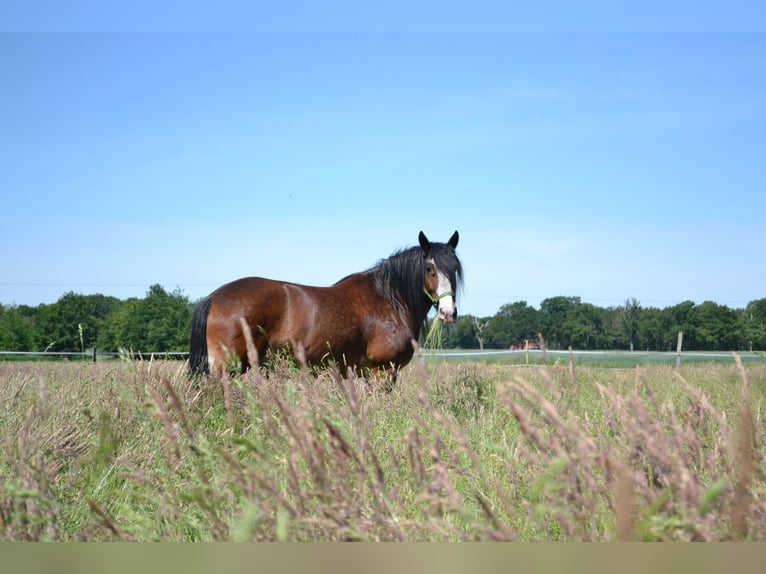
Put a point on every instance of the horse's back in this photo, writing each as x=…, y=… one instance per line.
x=306, y=319
x=347, y=322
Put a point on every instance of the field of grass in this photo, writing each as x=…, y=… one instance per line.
x=458, y=450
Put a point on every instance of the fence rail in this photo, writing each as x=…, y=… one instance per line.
x=94, y=355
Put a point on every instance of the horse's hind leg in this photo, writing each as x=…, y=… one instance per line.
x=224, y=361
x=217, y=365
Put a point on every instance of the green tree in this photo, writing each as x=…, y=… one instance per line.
x=168, y=320
x=161, y=322
x=754, y=325
x=558, y=327
x=17, y=328
x=611, y=334
x=717, y=328
x=682, y=317
x=73, y=322
x=583, y=327
x=630, y=322
x=123, y=328
x=463, y=333
x=512, y=324
x=653, y=329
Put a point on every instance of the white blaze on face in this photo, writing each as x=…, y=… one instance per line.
x=446, y=303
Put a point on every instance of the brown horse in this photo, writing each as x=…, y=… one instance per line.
x=367, y=320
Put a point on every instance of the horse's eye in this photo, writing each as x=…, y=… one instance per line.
x=429, y=269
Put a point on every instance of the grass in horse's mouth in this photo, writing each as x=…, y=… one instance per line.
x=435, y=335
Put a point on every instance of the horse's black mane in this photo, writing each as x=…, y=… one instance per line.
x=400, y=278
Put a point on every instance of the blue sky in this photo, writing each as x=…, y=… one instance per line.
x=602, y=165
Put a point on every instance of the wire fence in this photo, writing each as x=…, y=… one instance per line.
x=610, y=358
x=511, y=357
x=95, y=356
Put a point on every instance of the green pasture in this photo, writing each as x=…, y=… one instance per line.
x=458, y=450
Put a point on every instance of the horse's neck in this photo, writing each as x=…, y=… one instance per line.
x=408, y=305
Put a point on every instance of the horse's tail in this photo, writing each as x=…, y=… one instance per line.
x=198, y=364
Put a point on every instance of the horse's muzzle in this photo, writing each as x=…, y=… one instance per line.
x=448, y=315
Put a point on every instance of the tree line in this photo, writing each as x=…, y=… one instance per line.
x=567, y=321
x=161, y=322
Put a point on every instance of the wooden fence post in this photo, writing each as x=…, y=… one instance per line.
x=678, y=349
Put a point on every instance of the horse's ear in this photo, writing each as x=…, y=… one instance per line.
x=453, y=240
x=424, y=243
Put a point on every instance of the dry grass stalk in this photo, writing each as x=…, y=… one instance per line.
x=252, y=352
x=227, y=402
x=171, y=432
x=744, y=461
x=745, y=471
x=175, y=403
x=572, y=377
x=108, y=521
x=624, y=502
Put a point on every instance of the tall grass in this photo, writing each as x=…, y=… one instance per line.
x=135, y=451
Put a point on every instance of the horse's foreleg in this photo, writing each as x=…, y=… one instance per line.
x=384, y=377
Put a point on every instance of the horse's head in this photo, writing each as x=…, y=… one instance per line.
x=443, y=275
